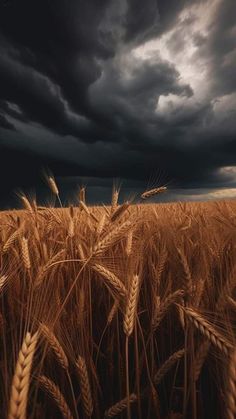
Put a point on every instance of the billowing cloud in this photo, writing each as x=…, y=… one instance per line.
x=119, y=89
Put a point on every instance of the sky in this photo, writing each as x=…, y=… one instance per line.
x=140, y=92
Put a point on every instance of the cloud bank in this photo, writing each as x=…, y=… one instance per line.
x=106, y=89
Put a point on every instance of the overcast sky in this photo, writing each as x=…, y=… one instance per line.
x=142, y=91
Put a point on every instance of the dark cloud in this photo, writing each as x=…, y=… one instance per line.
x=4, y=123
x=106, y=89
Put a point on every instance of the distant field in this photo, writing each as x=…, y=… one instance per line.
x=122, y=311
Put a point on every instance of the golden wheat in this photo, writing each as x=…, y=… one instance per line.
x=21, y=378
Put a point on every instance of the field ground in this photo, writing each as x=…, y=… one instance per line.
x=121, y=311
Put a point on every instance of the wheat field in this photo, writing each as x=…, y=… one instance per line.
x=120, y=311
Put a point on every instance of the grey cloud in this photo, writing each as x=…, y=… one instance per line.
x=76, y=98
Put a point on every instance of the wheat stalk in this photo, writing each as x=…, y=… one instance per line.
x=21, y=378
x=85, y=386
x=53, y=390
x=200, y=358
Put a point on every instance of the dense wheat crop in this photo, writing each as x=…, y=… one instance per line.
x=123, y=311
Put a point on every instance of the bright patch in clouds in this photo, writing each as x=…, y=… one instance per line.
x=228, y=173
x=227, y=193
x=180, y=46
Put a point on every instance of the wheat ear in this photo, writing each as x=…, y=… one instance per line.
x=187, y=272
x=232, y=302
x=10, y=241
x=53, y=185
x=21, y=378
x=168, y=364
x=71, y=228
x=101, y=224
x=129, y=243
x=161, y=309
x=119, y=211
x=26, y=203
x=207, y=329
x=25, y=253
x=82, y=194
x=114, y=199
x=160, y=268
x=52, y=389
x=3, y=280
x=117, y=408
x=153, y=192
x=132, y=303
x=111, y=279
x=44, y=268
x=84, y=386
x=231, y=387
x=84, y=207
x=111, y=237
x=55, y=346
x=113, y=311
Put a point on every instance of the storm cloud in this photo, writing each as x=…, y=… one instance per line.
x=99, y=90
